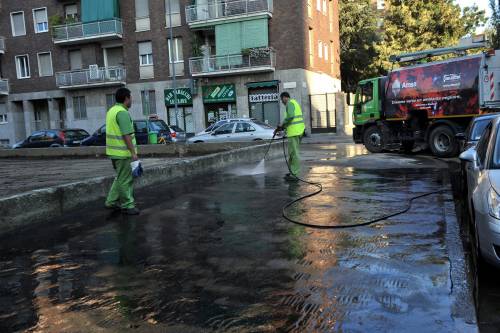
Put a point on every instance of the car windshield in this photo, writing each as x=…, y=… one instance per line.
x=478, y=129
x=262, y=124
x=177, y=129
x=158, y=125
x=75, y=134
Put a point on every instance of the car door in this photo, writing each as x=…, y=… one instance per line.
x=35, y=140
x=223, y=133
x=100, y=136
x=476, y=169
x=141, y=132
x=244, y=132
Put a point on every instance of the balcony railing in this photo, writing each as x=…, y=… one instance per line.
x=76, y=32
x=4, y=87
x=2, y=45
x=92, y=77
x=227, y=9
x=233, y=64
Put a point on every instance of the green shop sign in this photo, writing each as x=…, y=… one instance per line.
x=184, y=97
x=219, y=93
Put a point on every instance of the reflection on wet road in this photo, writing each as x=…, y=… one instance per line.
x=214, y=254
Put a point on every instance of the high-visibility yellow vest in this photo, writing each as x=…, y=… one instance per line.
x=297, y=125
x=115, y=145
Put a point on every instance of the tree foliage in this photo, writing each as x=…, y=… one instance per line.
x=358, y=34
x=494, y=28
x=424, y=24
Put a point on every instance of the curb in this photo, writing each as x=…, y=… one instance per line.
x=42, y=205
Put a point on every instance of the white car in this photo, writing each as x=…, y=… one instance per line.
x=483, y=193
x=237, y=131
x=219, y=123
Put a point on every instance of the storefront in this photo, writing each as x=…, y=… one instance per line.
x=263, y=101
x=184, y=117
x=220, y=102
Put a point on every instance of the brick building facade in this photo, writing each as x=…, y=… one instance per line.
x=61, y=60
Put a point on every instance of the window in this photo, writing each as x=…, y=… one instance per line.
x=110, y=101
x=320, y=49
x=17, y=24
x=3, y=118
x=22, y=67
x=148, y=102
x=141, y=8
x=176, y=57
x=75, y=59
x=145, y=54
x=482, y=145
x=326, y=50
x=244, y=127
x=318, y=5
x=45, y=64
x=366, y=92
x=225, y=129
x=71, y=12
x=79, y=107
x=37, y=136
x=40, y=20
x=380, y=4
x=310, y=7
x=175, y=10
x=140, y=126
x=325, y=9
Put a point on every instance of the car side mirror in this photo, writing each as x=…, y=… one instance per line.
x=460, y=136
x=470, y=155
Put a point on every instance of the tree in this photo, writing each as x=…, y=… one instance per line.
x=358, y=34
x=424, y=24
x=494, y=29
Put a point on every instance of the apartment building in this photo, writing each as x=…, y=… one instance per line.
x=62, y=60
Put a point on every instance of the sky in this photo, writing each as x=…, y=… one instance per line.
x=482, y=4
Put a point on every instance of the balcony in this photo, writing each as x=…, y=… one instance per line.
x=255, y=62
x=4, y=87
x=199, y=16
x=92, y=77
x=85, y=32
x=2, y=45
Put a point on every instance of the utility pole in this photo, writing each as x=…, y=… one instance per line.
x=170, y=47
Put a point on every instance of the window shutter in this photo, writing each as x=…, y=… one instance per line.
x=40, y=15
x=18, y=21
x=141, y=8
x=145, y=48
x=45, y=64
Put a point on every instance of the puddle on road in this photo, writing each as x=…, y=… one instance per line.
x=214, y=254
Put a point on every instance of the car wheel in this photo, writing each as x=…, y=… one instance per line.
x=257, y=140
x=442, y=142
x=199, y=141
x=55, y=146
x=373, y=139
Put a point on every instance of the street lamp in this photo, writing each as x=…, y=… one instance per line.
x=171, y=60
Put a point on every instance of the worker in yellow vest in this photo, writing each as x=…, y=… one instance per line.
x=121, y=147
x=294, y=127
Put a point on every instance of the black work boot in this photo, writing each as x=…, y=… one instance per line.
x=131, y=211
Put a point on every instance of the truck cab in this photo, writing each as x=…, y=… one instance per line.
x=367, y=109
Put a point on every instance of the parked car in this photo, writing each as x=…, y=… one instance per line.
x=177, y=134
x=219, y=123
x=141, y=128
x=483, y=198
x=54, y=138
x=470, y=138
x=237, y=131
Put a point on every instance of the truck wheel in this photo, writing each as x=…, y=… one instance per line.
x=442, y=142
x=373, y=139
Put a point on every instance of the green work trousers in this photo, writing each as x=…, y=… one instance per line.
x=294, y=154
x=121, y=192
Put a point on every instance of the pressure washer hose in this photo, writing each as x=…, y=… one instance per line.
x=320, y=189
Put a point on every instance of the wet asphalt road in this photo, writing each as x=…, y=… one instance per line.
x=213, y=254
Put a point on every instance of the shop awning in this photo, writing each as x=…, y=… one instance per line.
x=263, y=84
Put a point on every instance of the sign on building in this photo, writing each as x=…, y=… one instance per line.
x=184, y=96
x=219, y=93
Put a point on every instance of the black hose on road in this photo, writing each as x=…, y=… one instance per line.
x=320, y=189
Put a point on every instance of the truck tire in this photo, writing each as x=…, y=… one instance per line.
x=372, y=139
x=442, y=142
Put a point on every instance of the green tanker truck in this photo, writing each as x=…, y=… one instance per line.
x=425, y=105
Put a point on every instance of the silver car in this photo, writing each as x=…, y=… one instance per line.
x=238, y=131
x=483, y=193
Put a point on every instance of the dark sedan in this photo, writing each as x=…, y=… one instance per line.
x=72, y=137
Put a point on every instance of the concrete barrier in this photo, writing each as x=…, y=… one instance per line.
x=171, y=149
x=42, y=205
